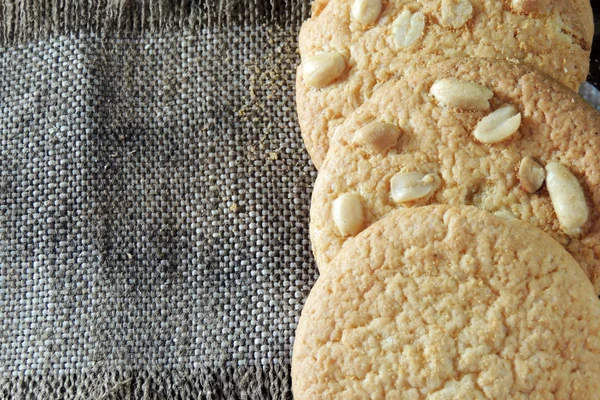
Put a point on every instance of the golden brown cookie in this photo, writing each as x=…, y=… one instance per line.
x=444, y=302
x=349, y=47
x=416, y=142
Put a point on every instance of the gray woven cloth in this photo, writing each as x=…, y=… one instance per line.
x=154, y=199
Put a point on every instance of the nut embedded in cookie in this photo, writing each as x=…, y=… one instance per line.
x=467, y=96
x=366, y=11
x=531, y=175
x=348, y=214
x=377, y=136
x=408, y=186
x=499, y=125
x=322, y=69
x=567, y=198
x=408, y=28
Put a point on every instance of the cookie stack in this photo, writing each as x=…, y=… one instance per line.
x=455, y=216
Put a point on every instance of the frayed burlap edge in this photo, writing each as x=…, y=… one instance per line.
x=27, y=20
x=251, y=382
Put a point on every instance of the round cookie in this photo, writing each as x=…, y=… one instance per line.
x=438, y=141
x=353, y=57
x=444, y=302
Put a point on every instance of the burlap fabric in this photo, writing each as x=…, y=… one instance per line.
x=154, y=199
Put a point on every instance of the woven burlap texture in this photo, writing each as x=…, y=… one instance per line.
x=154, y=200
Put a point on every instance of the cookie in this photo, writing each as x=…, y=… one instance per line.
x=349, y=47
x=414, y=143
x=443, y=302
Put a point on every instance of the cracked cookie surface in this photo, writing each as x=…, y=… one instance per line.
x=553, y=37
x=443, y=302
x=435, y=142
